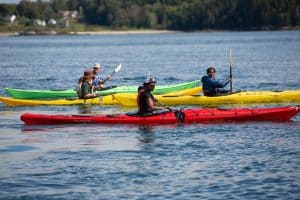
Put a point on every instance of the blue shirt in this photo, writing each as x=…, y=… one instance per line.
x=96, y=81
x=210, y=85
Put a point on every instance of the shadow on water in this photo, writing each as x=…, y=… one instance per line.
x=17, y=148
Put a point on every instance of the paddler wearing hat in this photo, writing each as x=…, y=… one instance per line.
x=145, y=100
x=87, y=87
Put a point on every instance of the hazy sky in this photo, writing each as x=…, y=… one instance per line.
x=9, y=1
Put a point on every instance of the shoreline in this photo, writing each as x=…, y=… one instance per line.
x=129, y=32
x=122, y=32
x=104, y=32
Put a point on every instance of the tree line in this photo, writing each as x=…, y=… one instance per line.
x=183, y=15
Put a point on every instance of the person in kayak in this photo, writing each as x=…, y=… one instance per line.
x=212, y=87
x=87, y=89
x=145, y=100
x=97, y=82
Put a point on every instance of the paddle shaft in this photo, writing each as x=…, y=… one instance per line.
x=162, y=104
x=230, y=69
x=116, y=70
x=108, y=77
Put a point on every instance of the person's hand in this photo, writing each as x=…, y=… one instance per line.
x=108, y=77
x=168, y=108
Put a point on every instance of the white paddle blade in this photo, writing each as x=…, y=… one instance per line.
x=118, y=68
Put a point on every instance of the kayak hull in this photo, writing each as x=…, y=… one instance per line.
x=207, y=115
x=47, y=94
x=102, y=100
x=59, y=102
x=237, y=98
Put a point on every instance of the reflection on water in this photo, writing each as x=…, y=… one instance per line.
x=146, y=129
x=146, y=134
x=85, y=109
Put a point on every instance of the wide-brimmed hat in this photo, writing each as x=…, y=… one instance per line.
x=97, y=65
x=87, y=74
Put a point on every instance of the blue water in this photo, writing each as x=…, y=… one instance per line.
x=254, y=160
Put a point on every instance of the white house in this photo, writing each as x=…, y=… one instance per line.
x=68, y=14
x=10, y=19
x=38, y=22
x=52, y=22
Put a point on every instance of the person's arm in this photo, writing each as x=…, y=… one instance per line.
x=103, y=81
x=152, y=105
x=86, y=92
x=89, y=96
x=216, y=84
x=227, y=81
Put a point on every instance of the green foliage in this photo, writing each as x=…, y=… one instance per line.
x=7, y=9
x=168, y=14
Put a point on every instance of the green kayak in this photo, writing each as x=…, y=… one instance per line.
x=49, y=94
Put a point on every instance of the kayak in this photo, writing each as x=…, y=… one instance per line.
x=249, y=97
x=47, y=94
x=58, y=102
x=102, y=100
x=111, y=100
x=204, y=115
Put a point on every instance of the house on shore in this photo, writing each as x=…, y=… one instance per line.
x=66, y=14
x=10, y=19
x=38, y=22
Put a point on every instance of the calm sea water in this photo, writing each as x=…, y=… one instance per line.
x=257, y=160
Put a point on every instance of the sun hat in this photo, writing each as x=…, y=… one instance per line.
x=87, y=74
x=97, y=65
x=149, y=80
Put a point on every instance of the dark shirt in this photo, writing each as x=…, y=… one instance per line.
x=211, y=86
x=86, y=88
x=143, y=95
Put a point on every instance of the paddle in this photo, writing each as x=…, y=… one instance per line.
x=108, y=88
x=118, y=68
x=230, y=69
x=179, y=115
x=162, y=104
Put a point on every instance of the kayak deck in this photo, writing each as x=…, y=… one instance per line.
x=102, y=100
x=48, y=94
x=205, y=115
x=249, y=97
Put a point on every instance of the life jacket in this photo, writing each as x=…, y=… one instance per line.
x=80, y=91
x=141, y=90
x=141, y=102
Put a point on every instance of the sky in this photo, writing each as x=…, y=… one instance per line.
x=14, y=1
x=10, y=1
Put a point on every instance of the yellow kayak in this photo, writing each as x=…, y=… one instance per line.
x=25, y=102
x=248, y=97
x=131, y=98
x=103, y=100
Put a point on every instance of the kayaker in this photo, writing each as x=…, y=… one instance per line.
x=212, y=87
x=145, y=100
x=87, y=89
x=97, y=82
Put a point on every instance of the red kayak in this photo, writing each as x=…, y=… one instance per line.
x=203, y=115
